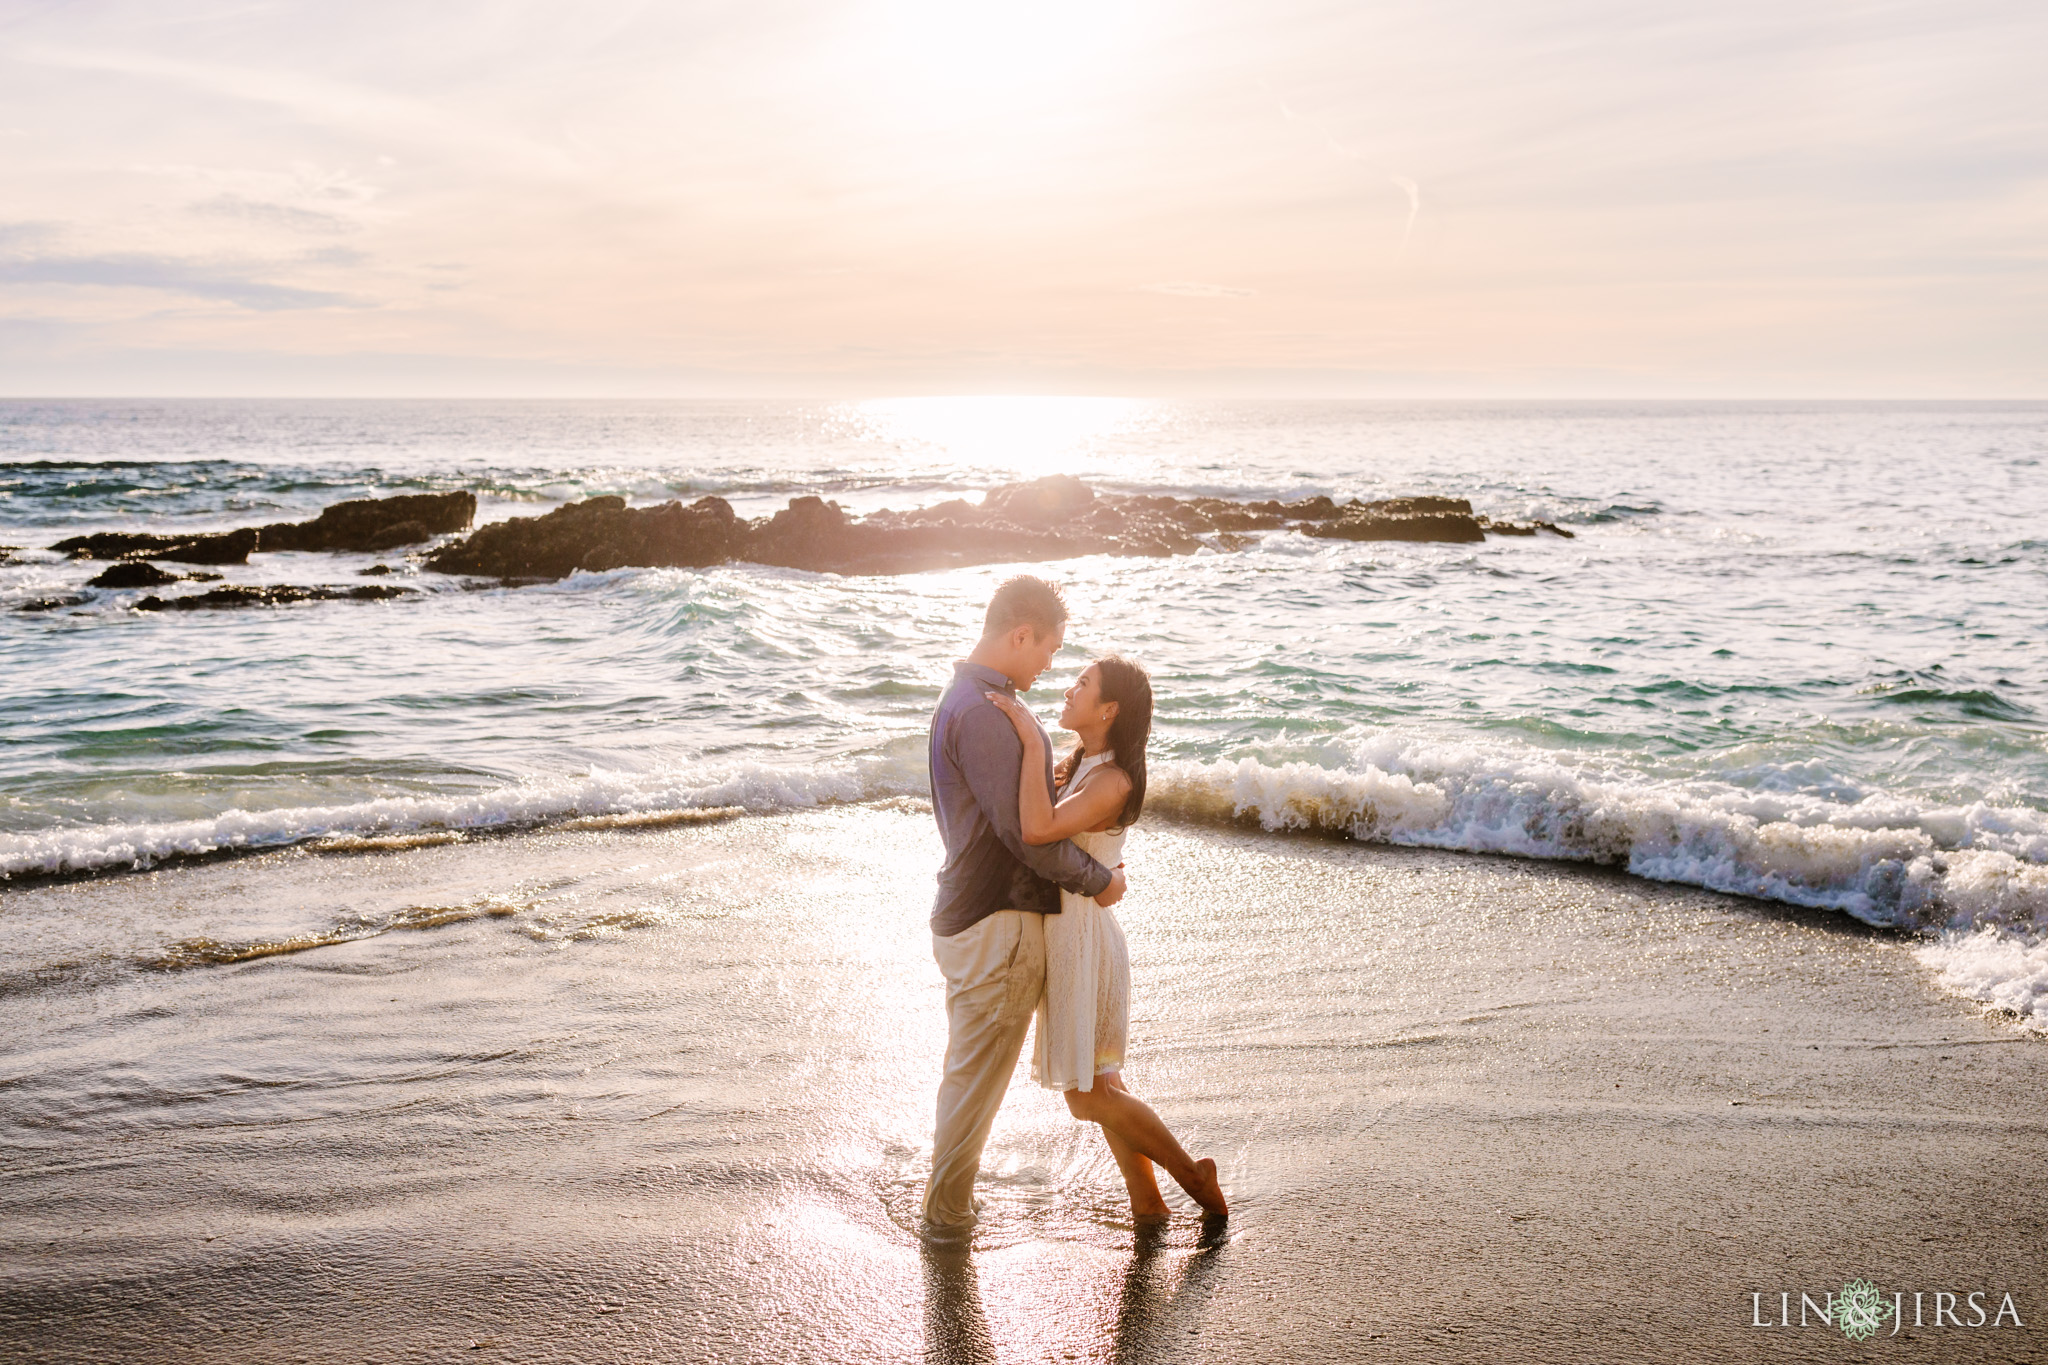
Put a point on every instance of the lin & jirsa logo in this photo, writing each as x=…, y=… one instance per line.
x=1860, y=1310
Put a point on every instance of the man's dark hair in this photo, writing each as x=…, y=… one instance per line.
x=1025, y=601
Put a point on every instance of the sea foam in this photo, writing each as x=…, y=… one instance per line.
x=1885, y=860
x=2004, y=971
x=1976, y=874
x=1961, y=871
x=597, y=798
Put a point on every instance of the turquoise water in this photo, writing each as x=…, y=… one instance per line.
x=1794, y=651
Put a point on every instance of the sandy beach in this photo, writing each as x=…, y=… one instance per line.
x=663, y=1093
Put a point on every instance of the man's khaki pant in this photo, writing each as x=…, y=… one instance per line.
x=995, y=973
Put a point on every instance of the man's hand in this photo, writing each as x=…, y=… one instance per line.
x=1114, y=892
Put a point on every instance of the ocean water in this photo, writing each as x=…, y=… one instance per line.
x=1794, y=651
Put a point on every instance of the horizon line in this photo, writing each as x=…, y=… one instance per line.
x=900, y=394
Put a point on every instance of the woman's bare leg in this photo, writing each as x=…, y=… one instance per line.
x=1147, y=1205
x=1132, y=1120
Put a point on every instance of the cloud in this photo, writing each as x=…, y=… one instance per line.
x=1614, y=191
x=18, y=235
x=333, y=255
x=1194, y=289
x=134, y=270
x=265, y=214
x=342, y=105
x=1414, y=193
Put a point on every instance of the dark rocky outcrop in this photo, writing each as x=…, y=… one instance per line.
x=368, y=525
x=274, y=595
x=133, y=573
x=72, y=599
x=594, y=535
x=1058, y=517
x=1523, y=528
x=1448, y=520
x=1049, y=501
x=1432, y=519
x=230, y=547
x=814, y=534
x=1052, y=518
x=365, y=525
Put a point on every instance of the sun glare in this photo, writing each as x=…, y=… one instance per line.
x=1031, y=435
x=969, y=56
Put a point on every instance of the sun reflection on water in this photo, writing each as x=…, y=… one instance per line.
x=1032, y=435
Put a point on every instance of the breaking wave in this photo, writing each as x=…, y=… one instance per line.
x=598, y=799
x=1885, y=861
x=1976, y=875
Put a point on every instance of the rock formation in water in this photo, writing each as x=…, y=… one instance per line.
x=1058, y=517
x=140, y=573
x=230, y=547
x=364, y=525
x=1052, y=518
x=69, y=599
x=594, y=535
x=368, y=525
x=273, y=595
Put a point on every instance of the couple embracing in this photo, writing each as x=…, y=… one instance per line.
x=1022, y=925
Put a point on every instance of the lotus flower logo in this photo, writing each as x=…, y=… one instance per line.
x=1860, y=1310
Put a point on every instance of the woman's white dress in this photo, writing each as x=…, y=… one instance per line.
x=1085, y=1014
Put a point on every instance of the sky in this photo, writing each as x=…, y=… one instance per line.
x=1457, y=198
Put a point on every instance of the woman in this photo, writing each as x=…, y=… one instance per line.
x=1083, y=1019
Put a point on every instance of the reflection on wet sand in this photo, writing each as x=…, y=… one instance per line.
x=1140, y=1310
x=1156, y=1284
x=956, y=1328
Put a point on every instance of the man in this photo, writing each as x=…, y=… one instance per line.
x=987, y=933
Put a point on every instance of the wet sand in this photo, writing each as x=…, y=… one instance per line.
x=664, y=1094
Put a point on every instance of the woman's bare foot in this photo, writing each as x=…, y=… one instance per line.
x=1205, y=1190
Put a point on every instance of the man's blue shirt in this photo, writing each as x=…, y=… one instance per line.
x=976, y=759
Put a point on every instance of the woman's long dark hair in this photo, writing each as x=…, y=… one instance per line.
x=1130, y=687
